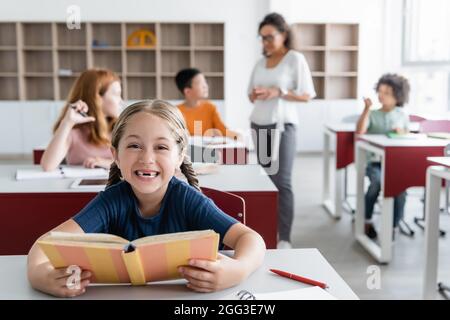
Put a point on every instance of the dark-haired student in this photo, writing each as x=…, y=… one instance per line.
x=201, y=115
x=393, y=93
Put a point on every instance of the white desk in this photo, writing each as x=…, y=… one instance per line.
x=229, y=178
x=342, y=135
x=306, y=262
x=217, y=149
x=403, y=165
x=32, y=207
x=435, y=174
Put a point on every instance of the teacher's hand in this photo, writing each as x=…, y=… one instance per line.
x=260, y=93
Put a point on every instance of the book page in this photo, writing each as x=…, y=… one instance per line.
x=84, y=238
x=171, y=237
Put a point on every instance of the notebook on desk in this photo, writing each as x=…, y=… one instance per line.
x=406, y=136
x=61, y=173
x=311, y=293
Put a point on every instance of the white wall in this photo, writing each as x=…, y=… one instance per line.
x=429, y=83
x=370, y=15
x=242, y=49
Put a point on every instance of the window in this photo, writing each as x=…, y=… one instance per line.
x=426, y=54
x=426, y=30
x=429, y=92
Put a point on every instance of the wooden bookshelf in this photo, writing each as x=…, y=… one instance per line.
x=331, y=50
x=41, y=60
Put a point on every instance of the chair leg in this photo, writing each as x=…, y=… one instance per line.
x=420, y=221
x=349, y=208
x=405, y=228
x=447, y=201
x=442, y=288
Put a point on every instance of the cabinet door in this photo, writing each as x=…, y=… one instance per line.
x=11, y=141
x=310, y=128
x=37, y=123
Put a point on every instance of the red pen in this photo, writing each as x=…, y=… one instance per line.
x=299, y=278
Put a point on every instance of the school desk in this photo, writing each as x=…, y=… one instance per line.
x=30, y=208
x=438, y=171
x=403, y=165
x=340, y=138
x=342, y=135
x=210, y=149
x=200, y=150
x=306, y=262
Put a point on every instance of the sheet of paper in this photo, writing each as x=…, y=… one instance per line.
x=60, y=173
x=311, y=293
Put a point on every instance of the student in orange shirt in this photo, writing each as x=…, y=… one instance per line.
x=201, y=115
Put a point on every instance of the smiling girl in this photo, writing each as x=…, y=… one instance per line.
x=144, y=198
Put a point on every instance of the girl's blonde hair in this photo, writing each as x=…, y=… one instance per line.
x=175, y=121
x=89, y=87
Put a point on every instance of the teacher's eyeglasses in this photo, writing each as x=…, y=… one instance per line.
x=268, y=38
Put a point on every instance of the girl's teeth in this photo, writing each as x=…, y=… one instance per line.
x=143, y=174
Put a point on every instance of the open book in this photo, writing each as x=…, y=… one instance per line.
x=61, y=173
x=112, y=259
x=311, y=293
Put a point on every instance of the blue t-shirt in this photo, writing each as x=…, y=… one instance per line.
x=116, y=211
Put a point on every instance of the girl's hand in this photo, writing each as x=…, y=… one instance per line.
x=97, y=162
x=58, y=282
x=367, y=103
x=209, y=276
x=73, y=115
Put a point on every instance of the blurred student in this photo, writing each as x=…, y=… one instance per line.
x=201, y=115
x=82, y=133
x=393, y=93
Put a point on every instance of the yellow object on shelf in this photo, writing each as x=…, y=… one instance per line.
x=141, y=39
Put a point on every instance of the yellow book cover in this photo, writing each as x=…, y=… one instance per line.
x=112, y=259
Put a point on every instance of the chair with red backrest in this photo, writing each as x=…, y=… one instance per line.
x=229, y=203
x=37, y=155
x=428, y=126
x=414, y=123
x=416, y=118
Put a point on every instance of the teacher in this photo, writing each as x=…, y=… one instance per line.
x=279, y=81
